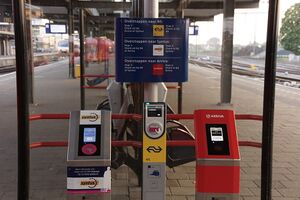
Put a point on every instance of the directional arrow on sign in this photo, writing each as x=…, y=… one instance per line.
x=154, y=149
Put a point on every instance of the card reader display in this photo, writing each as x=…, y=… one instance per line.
x=217, y=139
x=154, y=111
x=154, y=120
x=89, y=140
x=216, y=134
x=89, y=135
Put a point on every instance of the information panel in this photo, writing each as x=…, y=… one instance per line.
x=151, y=50
x=56, y=28
x=97, y=179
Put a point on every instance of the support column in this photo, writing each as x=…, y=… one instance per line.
x=137, y=8
x=1, y=49
x=151, y=89
x=138, y=100
x=7, y=47
x=82, y=66
x=29, y=54
x=71, y=40
x=4, y=47
x=269, y=100
x=22, y=101
x=151, y=95
x=8, y=51
x=180, y=84
x=227, y=49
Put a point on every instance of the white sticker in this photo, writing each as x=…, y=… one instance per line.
x=100, y=181
x=228, y=23
x=90, y=117
x=84, y=183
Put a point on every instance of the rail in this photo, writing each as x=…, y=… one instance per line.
x=137, y=144
x=244, y=69
x=98, y=76
x=139, y=117
x=105, y=86
x=111, y=76
x=7, y=63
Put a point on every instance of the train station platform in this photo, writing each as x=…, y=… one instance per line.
x=56, y=93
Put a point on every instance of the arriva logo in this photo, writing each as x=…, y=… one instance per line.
x=214, y=116
x=92, y=183
x=92, y=117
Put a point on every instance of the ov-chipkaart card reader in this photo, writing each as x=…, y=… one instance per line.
x=154, y=119
x=89, y=154
x=154, y=151
x=217, y=155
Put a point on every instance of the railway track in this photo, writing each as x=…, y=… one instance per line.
x=245, y=70
x=7, y=69
x=238, y=68
x=7, y=64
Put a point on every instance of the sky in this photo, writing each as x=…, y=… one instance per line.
x=249, y=24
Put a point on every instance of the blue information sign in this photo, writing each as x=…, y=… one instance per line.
x=151, y=50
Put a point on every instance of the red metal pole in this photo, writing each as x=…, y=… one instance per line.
x=138, y=117
x=248, y=117
x=137, y=144
x=49, y=116
x=98, y=76
x=48, y=144
x=127, y=116
x=94, y=87
x=180, y=116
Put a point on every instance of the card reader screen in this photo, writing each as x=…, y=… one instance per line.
x=154, y=112
x=216, y=134
x=89, y=135
x=217, y=139
x=89, y=141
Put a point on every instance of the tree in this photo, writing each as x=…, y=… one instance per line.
x=290, y=29
x=213, y=44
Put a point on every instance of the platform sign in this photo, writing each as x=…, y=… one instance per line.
x=56, y=28
x=193, y=30
x=151, y=50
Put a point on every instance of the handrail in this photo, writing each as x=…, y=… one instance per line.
x=139, y=117
x=48, y=116
x=180, y=116
x=104, y=87
x=138, y=144
x=98, y=76
x=248, y=117
x=173, y=86
x=95, y=87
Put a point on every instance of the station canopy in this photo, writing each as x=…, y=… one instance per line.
x=101, y=13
